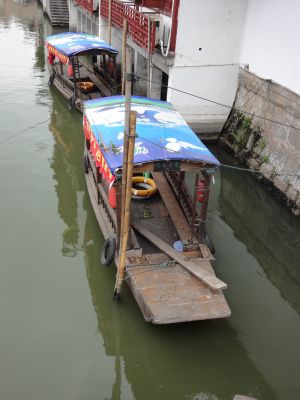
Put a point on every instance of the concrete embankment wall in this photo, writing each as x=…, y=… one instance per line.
x=266, y=146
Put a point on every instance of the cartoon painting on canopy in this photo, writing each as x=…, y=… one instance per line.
x=71, y=43
x=162, y=133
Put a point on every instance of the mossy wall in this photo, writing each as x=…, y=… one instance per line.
x=263, y=132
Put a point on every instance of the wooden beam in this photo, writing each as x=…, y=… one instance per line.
x=173, y=207
x=207, y=277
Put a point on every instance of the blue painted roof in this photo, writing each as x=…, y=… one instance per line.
x=72, y=43
x=162, y=133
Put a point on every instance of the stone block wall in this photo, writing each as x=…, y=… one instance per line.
x=270, y=144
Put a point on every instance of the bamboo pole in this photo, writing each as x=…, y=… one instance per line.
x=128, y=68
x=124, y=40
x=127, y=210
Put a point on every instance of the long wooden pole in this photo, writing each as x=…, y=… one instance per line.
x=125, y=175
x=127, y=211
x=124, y=40
x=128, y=68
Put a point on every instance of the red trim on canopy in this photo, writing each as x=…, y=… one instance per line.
x=52, y=50
x=97, y=153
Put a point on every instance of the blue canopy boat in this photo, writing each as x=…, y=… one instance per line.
x=82, y=67
x=168, y=257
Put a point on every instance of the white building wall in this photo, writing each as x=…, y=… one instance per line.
x=209, y=42
x=271, y=41
x=72, y=16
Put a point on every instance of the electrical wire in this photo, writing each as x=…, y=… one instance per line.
x=218, y=103
x=221, y=164
x=25, y=130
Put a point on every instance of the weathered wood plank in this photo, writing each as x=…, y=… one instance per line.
x=206, y=253
x=200, y=270
x=173, y=207
x=172, y=295
x=147, y=259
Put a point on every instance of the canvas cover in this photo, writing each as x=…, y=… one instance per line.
x=69, y=44
x=162, y=133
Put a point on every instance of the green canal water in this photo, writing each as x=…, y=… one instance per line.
x=61, y=335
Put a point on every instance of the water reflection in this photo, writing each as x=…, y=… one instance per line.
x=188, y=361
x=258, y=256
x=269, y=231
x=67, y=168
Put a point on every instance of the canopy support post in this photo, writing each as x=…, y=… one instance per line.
x=204, y=206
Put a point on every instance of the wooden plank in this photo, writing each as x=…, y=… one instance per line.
x=172, y=295
x=206, y=253
x=173, y=207
x=199, y=270
x=147, y=259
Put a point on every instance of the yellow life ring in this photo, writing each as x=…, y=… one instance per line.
x=85, y=86
x=143, y=192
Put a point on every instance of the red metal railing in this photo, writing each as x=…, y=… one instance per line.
x=164, y=6
x=87, y=4
x=138, y=23
x=168, y=7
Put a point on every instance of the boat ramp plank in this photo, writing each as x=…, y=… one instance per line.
x=171, y=294
x=173, y=207
x=198, y=267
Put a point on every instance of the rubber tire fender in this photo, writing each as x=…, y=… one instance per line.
x=51, y=79
x=71, y=102
x=108, y=251
x=85, y=164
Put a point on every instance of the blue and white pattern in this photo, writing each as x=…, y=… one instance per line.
x=72, y=43
x=162, y=133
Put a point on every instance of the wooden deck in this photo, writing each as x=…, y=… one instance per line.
x=170, y=294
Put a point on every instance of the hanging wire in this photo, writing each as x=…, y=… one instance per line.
x=219, y=104
x=25, y=130
x=221, y=164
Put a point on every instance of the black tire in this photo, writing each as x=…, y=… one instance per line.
x=209, y=243
x=51, y=79
x=108, y=251
x=71, y=103
x=85, y=164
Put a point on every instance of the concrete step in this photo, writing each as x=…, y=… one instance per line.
x=59, y=12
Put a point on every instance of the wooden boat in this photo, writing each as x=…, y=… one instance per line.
x=82, y=66
x=168, y=261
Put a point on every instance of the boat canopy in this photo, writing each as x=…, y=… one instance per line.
x=161, y=132
x=70, y=44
